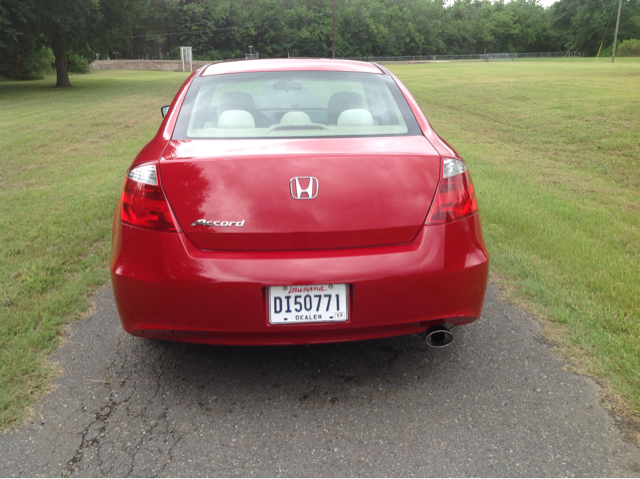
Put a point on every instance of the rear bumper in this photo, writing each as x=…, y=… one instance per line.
x=166, y=288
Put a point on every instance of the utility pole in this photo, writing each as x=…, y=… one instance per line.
x=615, y=37
x=334, y=28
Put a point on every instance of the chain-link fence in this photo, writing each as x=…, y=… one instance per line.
x=176, y=65
x=487, y=57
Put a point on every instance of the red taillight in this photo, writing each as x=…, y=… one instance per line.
x=143, y=201
x=456, y=198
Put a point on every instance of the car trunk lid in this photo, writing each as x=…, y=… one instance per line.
x=244, y=195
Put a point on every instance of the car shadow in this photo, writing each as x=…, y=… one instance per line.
x=313, y=376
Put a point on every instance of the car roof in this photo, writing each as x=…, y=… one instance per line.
x=290, y=64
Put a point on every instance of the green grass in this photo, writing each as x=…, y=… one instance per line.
x=553, y=149
x=63, y=155
x=554, y=152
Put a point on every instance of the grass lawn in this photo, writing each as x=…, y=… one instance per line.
x=553, y=149
x=63, y=156
x=554, y=152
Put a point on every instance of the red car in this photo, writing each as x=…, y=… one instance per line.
x=296, y=202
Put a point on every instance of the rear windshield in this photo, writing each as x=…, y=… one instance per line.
x=294, y=105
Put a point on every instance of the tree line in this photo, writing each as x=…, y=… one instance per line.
x=70, y=33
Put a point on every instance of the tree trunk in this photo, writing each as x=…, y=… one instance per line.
x=57, y=45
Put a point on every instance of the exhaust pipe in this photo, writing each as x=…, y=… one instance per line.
x=438, y=336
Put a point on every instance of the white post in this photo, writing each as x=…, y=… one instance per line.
x=186, y=56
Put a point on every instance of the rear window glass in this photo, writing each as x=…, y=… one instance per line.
x=294, y=105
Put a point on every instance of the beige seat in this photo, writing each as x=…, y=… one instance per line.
x=239, y=100
x=236, y=119
x=356, y=117
x=295, y=117
x=341, y=101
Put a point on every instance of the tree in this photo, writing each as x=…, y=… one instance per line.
x=223, y=29
x=583, y=23
x=19, y=48
x=66, y=25
x=113, y=31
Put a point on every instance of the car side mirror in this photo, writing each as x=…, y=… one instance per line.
x=164, y=110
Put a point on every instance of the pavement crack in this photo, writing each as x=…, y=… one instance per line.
x=149, y=430
x=101, y=417
x=169, y=453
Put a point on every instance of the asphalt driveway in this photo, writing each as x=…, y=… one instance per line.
x=496, y=403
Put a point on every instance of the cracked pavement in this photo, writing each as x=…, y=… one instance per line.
x=497, y=402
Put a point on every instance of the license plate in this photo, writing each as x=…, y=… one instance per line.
x=318, y=303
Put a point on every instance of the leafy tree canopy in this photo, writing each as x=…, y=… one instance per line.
x=224, y=29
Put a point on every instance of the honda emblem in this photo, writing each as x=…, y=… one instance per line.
x=304, y=187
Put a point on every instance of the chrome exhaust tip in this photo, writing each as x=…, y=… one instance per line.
x=438, y=336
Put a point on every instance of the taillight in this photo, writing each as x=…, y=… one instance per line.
x=456, y=198
x=143, y=201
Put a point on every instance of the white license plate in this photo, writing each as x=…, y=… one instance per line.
x=317, y=303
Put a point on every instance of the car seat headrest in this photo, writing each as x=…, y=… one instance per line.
x=292, y=117
x=236, y=119
x=341, y=101
x=356, y=117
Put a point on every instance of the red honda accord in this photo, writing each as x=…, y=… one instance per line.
x=296, y=202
